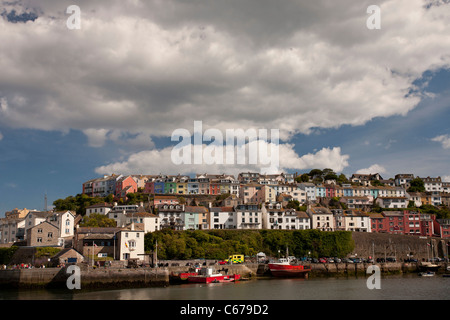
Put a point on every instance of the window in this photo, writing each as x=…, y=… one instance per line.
x=39, y=230
x=39, y=240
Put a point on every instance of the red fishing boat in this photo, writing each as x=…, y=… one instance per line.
x=207, y=276
x=284, y=268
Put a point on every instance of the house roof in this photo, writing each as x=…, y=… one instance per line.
x=392, y=213
x=194, y=209
x=221, y=209
x=302, y=214
x=96, y=230
x=100, y=205
x=141, y=214
x=320, y=210
x=43, y=222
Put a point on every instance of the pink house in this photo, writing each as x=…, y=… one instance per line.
x=159, y=200
x=330, y=190
x=124, y=186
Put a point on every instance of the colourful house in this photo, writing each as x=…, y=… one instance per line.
x=196, y=218
x=125, y=185
x=182, y=188
x=159, y=187
x=170, y=187
x=214, y=187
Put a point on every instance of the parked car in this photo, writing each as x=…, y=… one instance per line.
x=314, y=260
x=411, y=260
x=391, y=259
x=330, y=260
x=380, y=260
x=221, y=262
x=337, y=260
x=322, y=260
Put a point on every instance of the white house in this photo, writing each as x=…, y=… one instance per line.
x=171, y=216
x=392, y=202
x=222, y=218
x=33, y=218
x=136, y=215
x=416, y=197
x=248, y=216
x=64, y=220
x=277, y=217
x=11, y=230
x=403, y=179
x=433, y=184
x=149, y=221
x=100, y=208
x=310, y=190
x=130, y=243
x=321, y=218
x=357, y=221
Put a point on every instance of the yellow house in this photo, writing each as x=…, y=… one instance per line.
x=270, y=194
x=182, y=188
x=225, y=188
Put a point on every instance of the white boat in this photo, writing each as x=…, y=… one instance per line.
x=427, y=274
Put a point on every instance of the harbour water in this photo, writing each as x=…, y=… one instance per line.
x=393, y=287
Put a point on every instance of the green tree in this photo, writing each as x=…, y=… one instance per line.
x=303, y=178
x=416, y=185
x=315, y=172
x=97, y=220
x=342, y=179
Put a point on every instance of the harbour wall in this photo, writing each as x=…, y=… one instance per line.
x=89, y=278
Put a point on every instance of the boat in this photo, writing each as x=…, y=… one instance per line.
x=427, y=274
x=284, y=268
x=428, y=266
x=181, y=277
x=206, y=275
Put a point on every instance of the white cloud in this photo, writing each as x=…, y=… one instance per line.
x=375, y=168
x=159, y=161
x=446, y=178
x=444, y=140
x=96, y=137
x=143, y=68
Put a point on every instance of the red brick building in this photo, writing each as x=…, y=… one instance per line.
x=404, y=222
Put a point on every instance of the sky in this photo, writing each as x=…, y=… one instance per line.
x=78, y=103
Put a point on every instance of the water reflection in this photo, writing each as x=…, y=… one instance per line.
x=392, y=287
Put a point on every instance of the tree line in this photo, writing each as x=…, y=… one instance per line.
x=219, y=244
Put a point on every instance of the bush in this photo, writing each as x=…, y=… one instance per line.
x=6, y=254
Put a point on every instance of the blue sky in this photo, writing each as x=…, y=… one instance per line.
x=105, y=99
